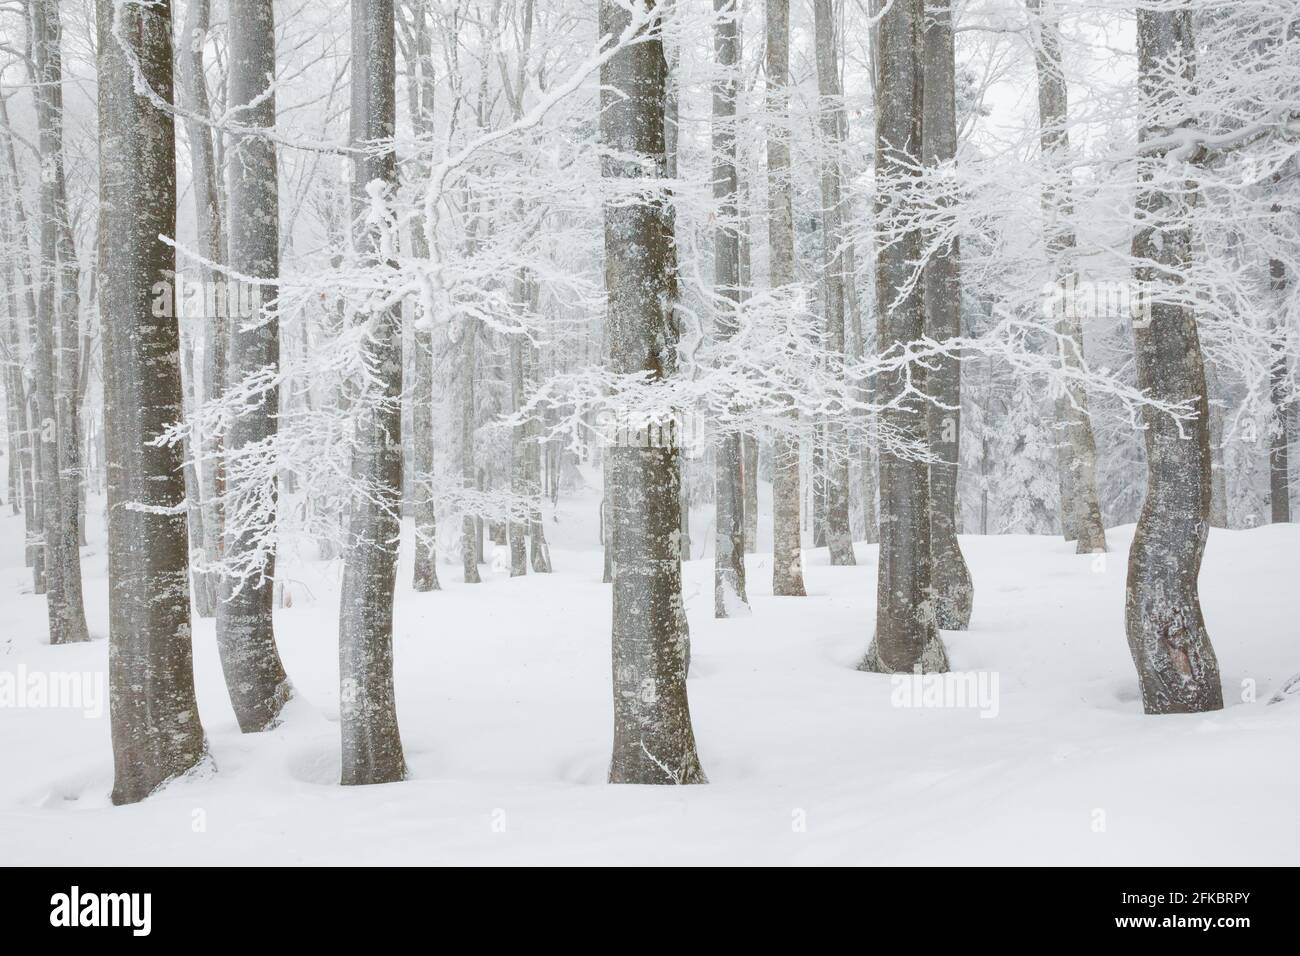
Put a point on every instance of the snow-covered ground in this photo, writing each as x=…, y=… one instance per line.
x=503, y=695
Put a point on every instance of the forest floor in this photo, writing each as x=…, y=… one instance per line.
x=503, y=693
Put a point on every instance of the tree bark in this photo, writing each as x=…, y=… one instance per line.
x=1279, y=472
x=470, y=545
x=539, y=553
x=212, y=244
x=155, y=720
x=729, y=491
x=372, y=744
x=787, y=547
x=953, y=591
x=1177, y=669
x=906, y=639
x=1077, y=450
x=839, y=534
x=56, y=345
x=255, y=677
x=517, y=531
x=420, y=92
x=653, y=739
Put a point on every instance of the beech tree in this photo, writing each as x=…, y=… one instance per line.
x=1177, y=668
x=839, y=537
x=942, y=302
x=372, y=745
x=787, y=547
x=1077, y=450
x=56, y=346
x=156, y=730
x=906, y=637
x=255, y=676
x=729, y=487
x=653, y=738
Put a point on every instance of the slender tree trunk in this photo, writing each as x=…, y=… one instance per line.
x=470, y=546
x=1077, y=451
x=839, y=534
x=906, y=639
x=14, y=212
x=212, y=244
x=749, y=440
x=751, y=493
x=155, y=719
x=953, y=591
x=20, y=317
x=1176, y=665
x=653, y=739
x=420, y=92
x=372, y=745
x=787, y=547
x=1279, y=472
x=55, y=347
x=729, y=491
x=539, y=551
x=518, y=439
x=255, y=677
x=203, y=597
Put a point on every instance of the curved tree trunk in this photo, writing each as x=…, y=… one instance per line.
x=653, y=738
x=372, y=745
x=787, y=546
x=906, y=638
x=953, y=592
x=1176, y=665
x=155, y=720
x=255, y=677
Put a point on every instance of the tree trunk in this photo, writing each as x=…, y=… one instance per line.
x=751, y=493
x=212, y=245
x=155, y=719
x=255, y=677
x=55, y=346
x=19, y=272
x=518, y=438
x=1176, y=665
x=953, y=591
x=1077, y=451
x=906, y=638
x=1279, y=472
x=787, y=548
x=729, y=595
x=653, y=739
x=1218, y=473
x=420, y=92
x=372, y=745
x=203, y=597
x=539, y=552
x=839, y=535
x=470, y=546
